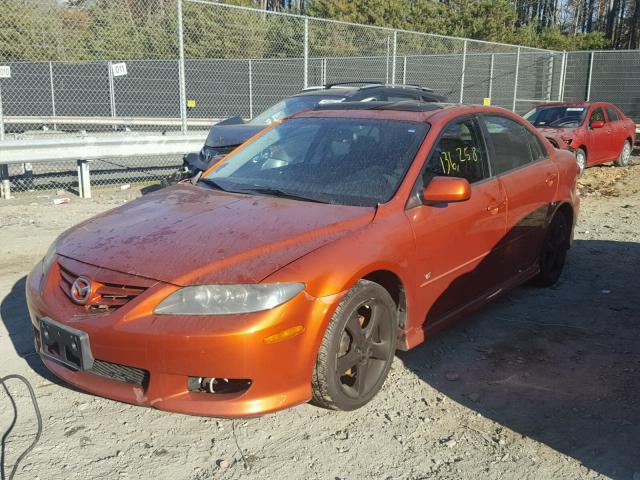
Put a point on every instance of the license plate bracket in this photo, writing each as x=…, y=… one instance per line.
x=65, y=345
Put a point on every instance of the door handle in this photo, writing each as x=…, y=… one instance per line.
x=550, y=180
x=494, y=208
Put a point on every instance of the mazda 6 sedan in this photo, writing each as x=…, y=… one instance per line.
x=294, y=268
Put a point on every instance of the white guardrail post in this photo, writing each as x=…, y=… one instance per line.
x=84, y=181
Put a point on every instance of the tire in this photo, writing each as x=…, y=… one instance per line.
x=625, y=154
x=581, y=160
x=357, y=349
x=554, y=251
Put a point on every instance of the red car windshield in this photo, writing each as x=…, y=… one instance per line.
x=557, y=116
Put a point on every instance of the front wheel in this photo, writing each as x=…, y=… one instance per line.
x=625, y=155
x=357, y=349
x=581, y=160
x=554, y=251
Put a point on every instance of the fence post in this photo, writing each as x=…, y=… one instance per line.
x=590, y=74
x=393, y=58
x=112, y=93
x=550, y=81
x=181, y=72
x=387, y=63
x=324, y=71
x=53, y=95
x=404, y=70
x=515, y=83
x=490, y=93
x=250, y=90
x=1, y=115
x=464, y=61
x=5, y=191
x=306, y=52
x=563, y=67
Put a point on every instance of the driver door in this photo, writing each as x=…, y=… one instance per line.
x=598, y=148
x=456, y=259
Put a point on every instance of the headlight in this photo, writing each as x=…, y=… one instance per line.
x=227, y=299
x=48, y=259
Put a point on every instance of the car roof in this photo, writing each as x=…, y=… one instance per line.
x=567, y=104
x=347, y=89
x=409, y=110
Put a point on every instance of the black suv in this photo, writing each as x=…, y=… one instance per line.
x=228, y=134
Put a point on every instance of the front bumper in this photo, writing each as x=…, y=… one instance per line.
x=170, y=349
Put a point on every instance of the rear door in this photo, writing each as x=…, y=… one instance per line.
x=530, y=179
x=618, y=130
x=455, y=257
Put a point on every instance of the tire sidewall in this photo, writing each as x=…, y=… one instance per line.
x=622, y=161
x=548, y=278
x=582, y=167
x=362, y=291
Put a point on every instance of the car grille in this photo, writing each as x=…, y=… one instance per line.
x=108, y=296
x=121, y=373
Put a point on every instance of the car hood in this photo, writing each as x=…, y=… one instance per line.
x=188, y=235
x=561, y=133
x=231, y=135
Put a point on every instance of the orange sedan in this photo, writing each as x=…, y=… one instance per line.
x=294, y=268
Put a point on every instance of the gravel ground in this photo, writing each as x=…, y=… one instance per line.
x=541, y=384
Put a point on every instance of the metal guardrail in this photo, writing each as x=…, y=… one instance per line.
x=109, y=121
x=86, y=148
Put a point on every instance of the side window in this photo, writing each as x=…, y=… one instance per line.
x=612, y=114
x=596, y=115
x=512, y=144
x=459, y=153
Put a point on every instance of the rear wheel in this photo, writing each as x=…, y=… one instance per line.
x=581, y=160
x=625, y=155
x=357, y=349
x=554, y=251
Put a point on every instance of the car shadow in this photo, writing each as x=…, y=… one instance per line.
x=14, y=313
x=560, y=365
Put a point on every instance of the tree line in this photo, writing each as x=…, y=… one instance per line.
x=85, y=30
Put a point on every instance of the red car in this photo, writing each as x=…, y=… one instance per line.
x=295, y=267
x=597, y=132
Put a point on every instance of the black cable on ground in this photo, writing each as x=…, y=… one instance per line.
x=13, y=423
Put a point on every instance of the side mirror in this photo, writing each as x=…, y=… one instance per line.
x=597, y=124
x=446, y=190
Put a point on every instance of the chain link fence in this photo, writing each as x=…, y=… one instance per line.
x=182, y=66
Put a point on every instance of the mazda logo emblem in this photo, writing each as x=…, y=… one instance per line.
x=81, y=290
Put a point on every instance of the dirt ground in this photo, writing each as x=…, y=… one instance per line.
x=544, y=383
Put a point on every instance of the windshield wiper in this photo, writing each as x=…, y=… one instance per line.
x=211, y=183
x=275, y=192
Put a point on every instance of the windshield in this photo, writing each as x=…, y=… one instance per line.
x=290, y=106
x=345, y=161
x=557, y=116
